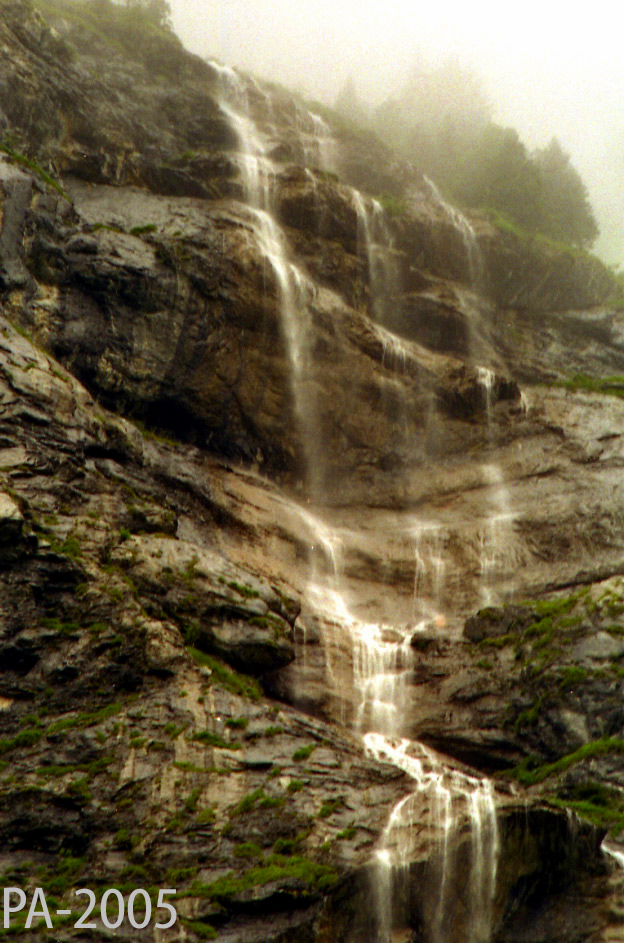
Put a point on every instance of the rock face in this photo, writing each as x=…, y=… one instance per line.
x=280, y=468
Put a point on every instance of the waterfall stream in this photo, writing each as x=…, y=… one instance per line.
x=374, y=660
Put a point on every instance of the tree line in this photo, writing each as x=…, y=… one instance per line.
x=441, y=121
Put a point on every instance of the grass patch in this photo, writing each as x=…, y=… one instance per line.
x=206, y=816
x=225, y=677
x=237, y=723
x=607, y=386
x=595, y=802
x=25, y=738
x=28, y=164
x=202, y=930
x=531, y=776
x=190, y=803
x=243, y=590
x=214, y=740
x=85, y=719
x=143, y=230
x=303, y=753
x=329, y=807
x=247, y=850
x=277, y=868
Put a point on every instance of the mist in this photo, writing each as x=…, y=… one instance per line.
x=548, y=69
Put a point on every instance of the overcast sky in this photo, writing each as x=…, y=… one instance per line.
x=550, y=68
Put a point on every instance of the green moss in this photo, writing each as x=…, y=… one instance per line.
x=542, y=627
x=225, y=677
x=347, y=833
x=268, y=622
x=303, y=753
x=500, y=641
x=143, y=230
x=214, y=740
x=595, y=802
x=288, y=846
x=201, y=929
x=23, y=161
x=247, y=803
x=573, y=675
x=316, y=877
x=247, y=591
x=530, y=776
x=191, y=767
x=329, y=807
x=62, y=877
x=247, y=850
x=123, y=839
x=295, y=785
x=237, y=723
x=529, y=717
x=190, y=803
x=206, y=816
x=107, y=227
x=271, y=802
x=25, y=738
x=180, y=875
x=71, y=548
x=92, y=769
x=85, y=719
x=607, y=386
x=554, y=607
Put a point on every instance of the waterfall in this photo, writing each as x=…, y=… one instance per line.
x=376, y=243
x=259, y=176
x=369, y=664
x=463, y=225
x=429, y=571
x=460, y=807
x=498, y=551
x=453, y=796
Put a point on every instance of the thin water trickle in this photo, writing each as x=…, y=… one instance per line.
x=463, y=225
x=498, y=549
x=376, y=244
x=429, y=571
x=295, y=288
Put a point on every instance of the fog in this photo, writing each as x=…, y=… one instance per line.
x=549, y=68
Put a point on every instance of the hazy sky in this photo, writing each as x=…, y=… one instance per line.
x=550, y=68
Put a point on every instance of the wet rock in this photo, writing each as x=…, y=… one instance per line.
x=496, y=623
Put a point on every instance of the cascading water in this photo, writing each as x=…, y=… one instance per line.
x=497, y=550
x=259, y=175
x=375, y=242
x=497, y=538
x=464, y=227
x=375, y=659
x=452, y=797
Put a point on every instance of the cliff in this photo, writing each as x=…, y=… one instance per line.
x=305, y=475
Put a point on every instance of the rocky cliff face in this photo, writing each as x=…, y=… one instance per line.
x=281, y=468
